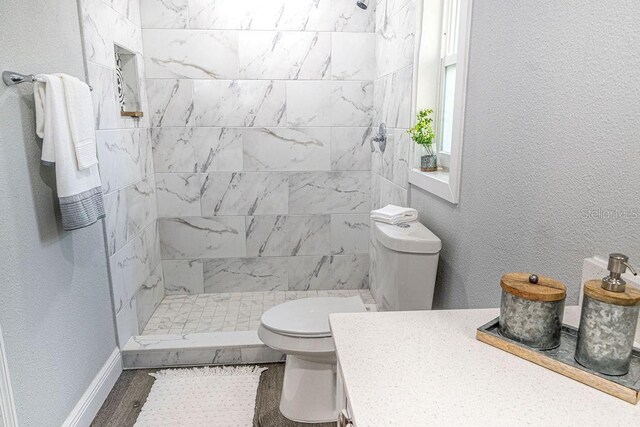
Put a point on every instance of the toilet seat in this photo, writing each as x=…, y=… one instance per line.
x=310, y=348
x=308, y=317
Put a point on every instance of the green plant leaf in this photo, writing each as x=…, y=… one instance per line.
x=422, y=132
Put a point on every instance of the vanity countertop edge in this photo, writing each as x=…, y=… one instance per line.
x=427, y=368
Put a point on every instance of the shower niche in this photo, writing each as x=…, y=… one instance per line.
x=128, y=83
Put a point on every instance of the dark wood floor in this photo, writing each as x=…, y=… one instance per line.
x=125, y=401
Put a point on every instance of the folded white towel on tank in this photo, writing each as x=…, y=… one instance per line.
x=392, y=214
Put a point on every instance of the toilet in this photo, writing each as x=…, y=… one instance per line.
x=300, y=329
x=404, y=262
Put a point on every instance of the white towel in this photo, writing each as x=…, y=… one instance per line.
x=81, y=122
x=392, y=214
x=79, y=191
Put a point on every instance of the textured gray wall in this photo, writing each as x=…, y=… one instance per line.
x=551, y=130
x=55, y=308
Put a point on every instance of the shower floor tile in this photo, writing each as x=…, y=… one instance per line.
x=227, y=312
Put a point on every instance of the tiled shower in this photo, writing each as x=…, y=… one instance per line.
x=250, y=174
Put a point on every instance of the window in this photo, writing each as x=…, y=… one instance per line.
x=446, y=108
x=440, y=78
x=447, y=86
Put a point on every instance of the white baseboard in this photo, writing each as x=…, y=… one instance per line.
x=95, y=395
x=9, y=416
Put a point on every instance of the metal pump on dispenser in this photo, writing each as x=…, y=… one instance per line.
x=618, y=264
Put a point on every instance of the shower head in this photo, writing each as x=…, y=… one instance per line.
x=362, y=4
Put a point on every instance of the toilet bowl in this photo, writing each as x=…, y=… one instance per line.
x=300, y=329
x=404, y=264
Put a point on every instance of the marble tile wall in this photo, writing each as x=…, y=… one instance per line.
x=126, y=167
x=395, y=37
x=260, y=116
x=392, y=87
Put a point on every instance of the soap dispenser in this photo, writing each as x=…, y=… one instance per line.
x=608, y=321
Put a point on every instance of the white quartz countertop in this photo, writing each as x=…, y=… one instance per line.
x=426, y=368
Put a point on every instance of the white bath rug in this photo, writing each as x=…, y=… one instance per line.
x=218, y=396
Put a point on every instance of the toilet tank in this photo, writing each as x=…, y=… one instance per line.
x=404, y=265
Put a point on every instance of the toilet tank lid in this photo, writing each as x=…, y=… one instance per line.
x=416, y=238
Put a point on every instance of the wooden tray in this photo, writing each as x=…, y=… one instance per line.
x=560, y=360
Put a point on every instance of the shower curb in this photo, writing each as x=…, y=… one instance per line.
x=212, y=348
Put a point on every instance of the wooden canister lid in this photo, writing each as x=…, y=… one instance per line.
x=593, y=289
x=546, y=289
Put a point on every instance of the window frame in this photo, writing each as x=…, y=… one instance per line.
x=446, y=184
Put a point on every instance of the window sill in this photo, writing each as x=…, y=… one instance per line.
x=436, y=183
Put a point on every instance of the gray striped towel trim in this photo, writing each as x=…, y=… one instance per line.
x=82, y=210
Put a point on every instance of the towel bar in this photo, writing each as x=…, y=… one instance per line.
x=12, y=78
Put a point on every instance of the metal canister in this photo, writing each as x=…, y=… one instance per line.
x=607, y=328
x=531, y=309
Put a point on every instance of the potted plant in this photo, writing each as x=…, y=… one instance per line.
x=423, y=135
